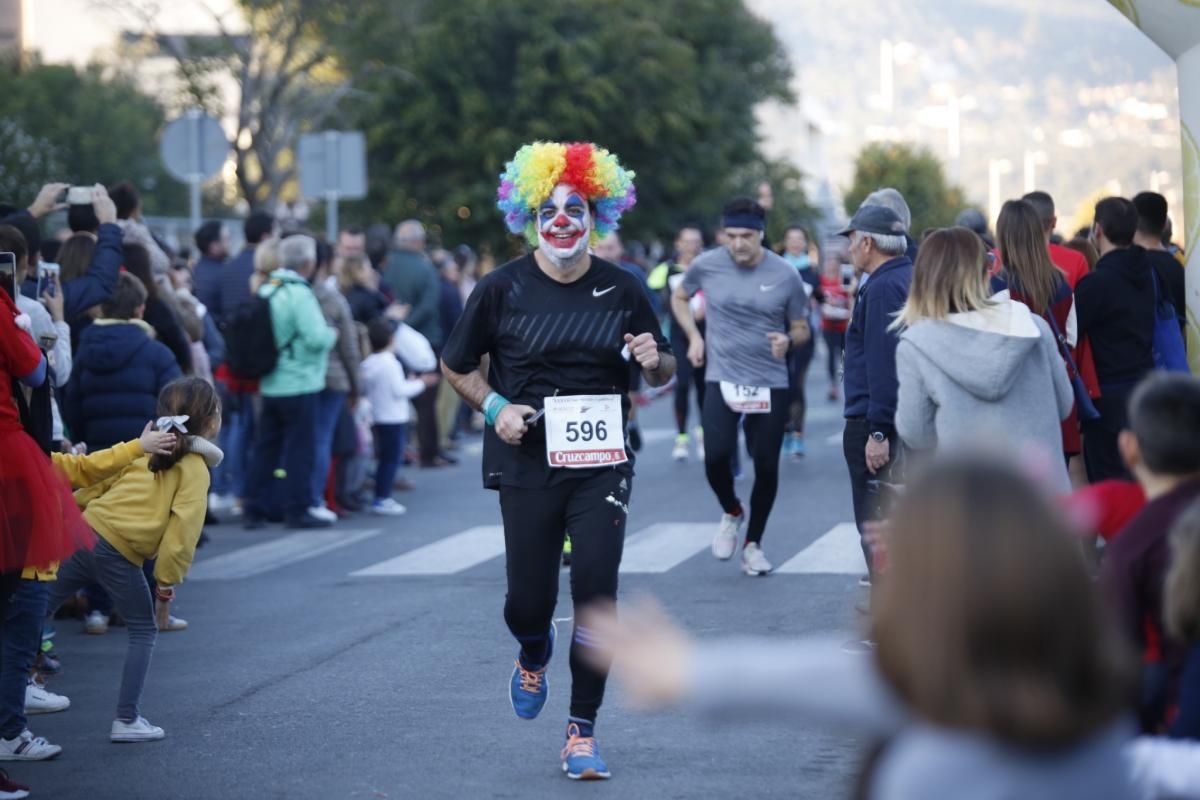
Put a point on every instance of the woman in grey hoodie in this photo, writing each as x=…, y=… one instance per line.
x=996, y=674
x=978, y=372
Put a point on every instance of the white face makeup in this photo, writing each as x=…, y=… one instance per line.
x=564, y=225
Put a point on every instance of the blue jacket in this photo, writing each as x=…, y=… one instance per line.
x=206, y=283
x=870, y=370
x=94, y=286
x=113, y=392
x=235, y=286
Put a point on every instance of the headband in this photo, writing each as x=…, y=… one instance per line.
x=537, y=168
x=744, y=220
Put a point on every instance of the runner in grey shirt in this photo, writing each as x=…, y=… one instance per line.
x=756, y=311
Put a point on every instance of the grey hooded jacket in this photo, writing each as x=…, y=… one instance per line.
x=987, y=379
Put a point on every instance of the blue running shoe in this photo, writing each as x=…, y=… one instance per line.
x=529, y=688
x=581, y=756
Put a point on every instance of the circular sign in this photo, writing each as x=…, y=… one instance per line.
x=194, y=147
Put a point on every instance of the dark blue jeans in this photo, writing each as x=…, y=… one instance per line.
x=285, y=439
x=329, y=408
x=22, y=638
x=237, y=432
x=389, y=449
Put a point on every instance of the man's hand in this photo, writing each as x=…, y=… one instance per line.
x=878, y=455
x=158, y=443
x=695, y=352
x=430, y=379
x=780, y=342
x=162, y=613
x=53, y=304
x=106, y=209
x=47, y=200
x=644, y=350
x=510, y=423
x=397, y=312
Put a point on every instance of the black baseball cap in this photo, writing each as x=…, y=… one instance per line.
x=874, y=219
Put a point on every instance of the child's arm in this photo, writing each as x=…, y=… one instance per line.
x=405, y=388
x=85, y=470
x=178, y=545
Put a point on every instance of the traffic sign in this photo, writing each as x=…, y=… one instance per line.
x=333, y=166
x=194, y=147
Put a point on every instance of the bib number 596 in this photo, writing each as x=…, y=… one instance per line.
x=586, y=431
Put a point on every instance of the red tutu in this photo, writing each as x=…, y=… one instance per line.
x=39, y=521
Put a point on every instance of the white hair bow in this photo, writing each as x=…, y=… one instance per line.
x=166, y=423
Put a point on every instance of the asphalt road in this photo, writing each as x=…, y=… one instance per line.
x=301, y=679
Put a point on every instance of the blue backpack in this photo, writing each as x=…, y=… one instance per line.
x=1167, y=344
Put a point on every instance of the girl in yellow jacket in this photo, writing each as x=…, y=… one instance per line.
x=26, y=610
x=154, y=508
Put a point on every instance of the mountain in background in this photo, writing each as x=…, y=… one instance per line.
x=1065, y=88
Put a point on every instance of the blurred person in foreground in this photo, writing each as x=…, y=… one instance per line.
x=997, y=673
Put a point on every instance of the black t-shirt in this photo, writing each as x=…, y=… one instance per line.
x=1170, y=282
x=547, y=338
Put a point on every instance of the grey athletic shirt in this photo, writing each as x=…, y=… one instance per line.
x=743, y=305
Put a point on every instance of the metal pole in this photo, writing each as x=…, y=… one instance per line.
x=196, y=178
x=331, y=217
x=194, y=204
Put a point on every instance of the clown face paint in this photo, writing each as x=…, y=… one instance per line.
x=564, y=225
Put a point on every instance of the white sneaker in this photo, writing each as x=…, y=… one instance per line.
x=323, y=513
x=698, y=434
x=387, y=507
x=96, y=623
x=728, y=533
x=174, y=624
x=219, y=503
x=27, y=747
x=753, y=560
x=140, y=730
x=680, y=451
x=40, y=701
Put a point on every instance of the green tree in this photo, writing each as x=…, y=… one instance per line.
x=916, y=173
x=90, y=127
x=453, y=89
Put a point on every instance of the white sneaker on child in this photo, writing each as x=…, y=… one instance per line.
x=321, y=512
x=96, y=623
x=40, y=701
x=140, y=730
x=27, y=747
x=174, y=624
x=388, y=507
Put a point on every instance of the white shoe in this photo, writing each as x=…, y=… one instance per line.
x=728, y=533
x=387, y=507
x=753, y=560
x=140, y=730
x=40, y=701
x=680, y=451
x=698, y=434
x=219, y=503
x=323, y=513
x=174, y=624
x=96, y=623
x=27, y=747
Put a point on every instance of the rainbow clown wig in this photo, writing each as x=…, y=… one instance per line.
x=537, y=168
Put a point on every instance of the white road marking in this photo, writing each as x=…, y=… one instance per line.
x=665, y=545
x=838, y=552
x=446, y=556
x=247, y=562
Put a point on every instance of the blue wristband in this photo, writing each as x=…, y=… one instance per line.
x=491, y=407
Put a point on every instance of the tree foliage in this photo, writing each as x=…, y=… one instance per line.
x=84, y=126
x=453, y=89
x=916, y=173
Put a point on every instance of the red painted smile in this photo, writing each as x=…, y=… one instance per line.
x=562, y=240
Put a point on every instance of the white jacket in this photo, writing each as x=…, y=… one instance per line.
x=387, y=389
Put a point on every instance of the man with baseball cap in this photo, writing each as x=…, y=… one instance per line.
x=877, y=249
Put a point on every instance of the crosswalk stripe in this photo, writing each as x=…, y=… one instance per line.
x=289, y=549
x=445, y=556
x=665, y=545
x=838, y=552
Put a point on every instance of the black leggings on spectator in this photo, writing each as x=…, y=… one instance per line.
x=835, y=343
x=594, y=508
x=764, y=439
x=686, y=377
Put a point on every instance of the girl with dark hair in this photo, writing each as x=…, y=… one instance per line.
x=160, y=312
x=153, y=507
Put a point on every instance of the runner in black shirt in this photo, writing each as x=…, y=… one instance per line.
x=560, y=329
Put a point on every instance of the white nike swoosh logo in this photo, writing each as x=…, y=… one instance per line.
x=765, y=288
x=598, y=293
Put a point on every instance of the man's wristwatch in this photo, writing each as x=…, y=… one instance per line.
x=879, y=436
